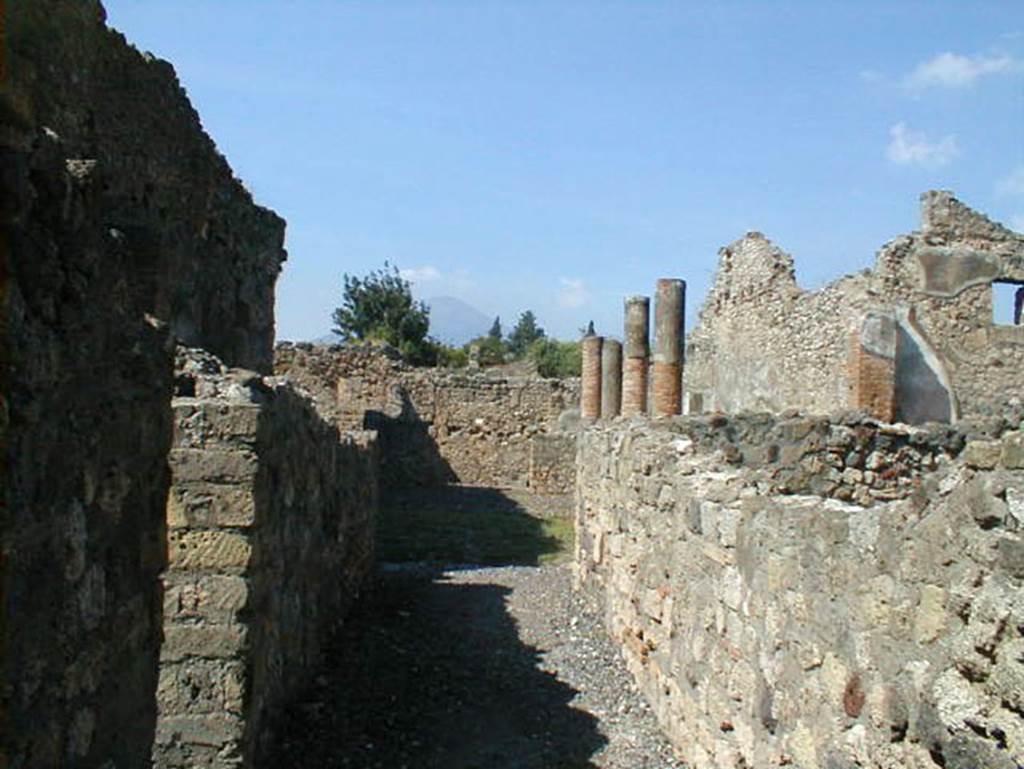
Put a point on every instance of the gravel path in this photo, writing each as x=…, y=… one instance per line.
x=474, y=668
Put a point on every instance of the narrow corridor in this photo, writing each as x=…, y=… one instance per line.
x=472, y=668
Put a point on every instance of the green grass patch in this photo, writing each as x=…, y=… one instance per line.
x=482, y=527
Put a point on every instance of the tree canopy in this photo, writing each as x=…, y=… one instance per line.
x=525, y=333
x=380, y=307
x=556, y=359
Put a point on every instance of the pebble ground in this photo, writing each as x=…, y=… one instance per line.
x=472, y=668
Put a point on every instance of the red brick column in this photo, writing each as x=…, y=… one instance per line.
x=872, y=367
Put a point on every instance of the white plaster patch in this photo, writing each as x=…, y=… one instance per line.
x=1015, y=503
x=864, y=529
x=954, y=700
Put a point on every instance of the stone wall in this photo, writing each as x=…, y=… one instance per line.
x=270, y=538
x=771, y=622
x=437, y=426
x=121, y=224
x=764, y=344
x=553, y=463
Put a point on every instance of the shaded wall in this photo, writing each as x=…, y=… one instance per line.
x=121, y=225
x=270, y=539
x=435, y=426
x=815, y=594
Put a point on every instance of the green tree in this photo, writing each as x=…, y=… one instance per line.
x=452, y=357
x=495, y=332
x=556, y=359
x=525, y=333
x=380, y=307
x=492, y=349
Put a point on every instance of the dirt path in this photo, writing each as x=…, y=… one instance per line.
x=477, y=668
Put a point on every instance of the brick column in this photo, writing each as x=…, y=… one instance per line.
x=611, y=378
x=669, y=304
x=635, y=355
x=590, y=396
x=873, y=351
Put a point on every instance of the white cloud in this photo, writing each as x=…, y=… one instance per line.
x=952, y=70
x=1013, y=184
x=424, y=274
x=908, y=147
x=428, y=281
x=573, y=293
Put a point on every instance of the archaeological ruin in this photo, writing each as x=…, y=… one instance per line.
x=912, y=340
x=835, y=590
x=802, y=522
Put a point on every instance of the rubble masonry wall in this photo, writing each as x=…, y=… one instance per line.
x=439, y=426
x=814, y=593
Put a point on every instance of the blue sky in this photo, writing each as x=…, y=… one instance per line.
x=557, y=156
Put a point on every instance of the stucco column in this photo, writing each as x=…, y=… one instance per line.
x=635, y=354
x=669, y=308
x=611, y=378
x=590, y=389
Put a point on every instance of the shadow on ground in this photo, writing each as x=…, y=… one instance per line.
x=427, y=673
x=462, y=524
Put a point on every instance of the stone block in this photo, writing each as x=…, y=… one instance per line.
x=930, y=616
x=1012, y=456
x=200, y=686
x=1011, y=556
x=1015, y=504
x=206, y=641
x=192, y=505
x=205, y=424
x=208, y=550
x=212, y=465
x=982, y=455
x=215, y=598
x=1006, y=681
x=215, y=731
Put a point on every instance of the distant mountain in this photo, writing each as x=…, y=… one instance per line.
x=455, y=322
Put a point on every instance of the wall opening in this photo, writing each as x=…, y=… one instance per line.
x=1007, y=303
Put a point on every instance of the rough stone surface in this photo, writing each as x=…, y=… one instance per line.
x=437, y=426
x=769, y=622
x=765, y=344
x=553, y=463
x=270, y=539
x=121, y=225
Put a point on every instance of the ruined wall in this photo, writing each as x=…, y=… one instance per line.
x=763, y=343
x=771, y=622
x=435, y=426
x=270, y=538
x=120, y=223
x=552, y=463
